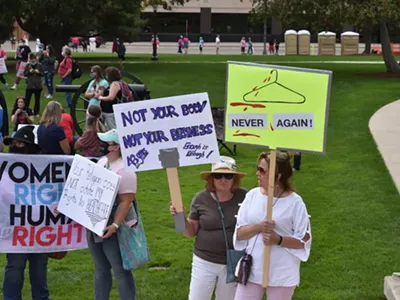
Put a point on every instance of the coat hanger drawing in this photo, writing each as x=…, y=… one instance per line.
x=294, y=98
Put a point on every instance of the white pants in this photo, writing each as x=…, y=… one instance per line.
x=109, y=120
x=92, y=46
x=204, y=277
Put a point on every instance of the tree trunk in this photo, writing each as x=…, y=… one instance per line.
x=391, y=64
x=368, y=37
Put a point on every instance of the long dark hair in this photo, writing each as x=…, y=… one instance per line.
x=16, y=102
x=51, y=50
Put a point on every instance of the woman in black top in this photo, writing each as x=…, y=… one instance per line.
x=33, y=73
x=48, y=61
x=21, y=113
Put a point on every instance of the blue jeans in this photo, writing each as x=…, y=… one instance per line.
x=48, y=80
x=106, y=255
x=68, y=81
x=14, y=276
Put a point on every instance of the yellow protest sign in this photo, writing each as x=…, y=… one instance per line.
x=277, y=106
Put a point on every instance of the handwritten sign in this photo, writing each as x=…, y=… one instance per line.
x=30, y=189
x=34, y=130
x=3, y=66
x=89, y=194
x=175, y=131
x=279, y=107
x=21, y=69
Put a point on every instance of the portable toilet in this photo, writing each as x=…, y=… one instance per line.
x=326, y=43
x=350, y=43
x=291, y=42
x=304, y=38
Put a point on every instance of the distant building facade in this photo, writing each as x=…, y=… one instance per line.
x=209, y=17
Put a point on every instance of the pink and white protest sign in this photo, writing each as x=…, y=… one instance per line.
x=31, y=187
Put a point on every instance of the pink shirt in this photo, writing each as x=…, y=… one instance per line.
x=185, y=40
x=2, y=53
x=75, y=40
x=128, y=182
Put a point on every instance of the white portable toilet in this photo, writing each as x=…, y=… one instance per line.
x=291, y=42
x=304, y=38
x=350, y=43
x=326, y=43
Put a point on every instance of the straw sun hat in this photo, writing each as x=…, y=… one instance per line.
x=226, y=165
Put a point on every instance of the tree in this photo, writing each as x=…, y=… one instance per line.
x=260, y=12
x=382, y=12
x=55, y=21
x=155, y=5
x=6, y=25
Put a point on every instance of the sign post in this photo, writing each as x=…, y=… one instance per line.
x=167, y=133
x=280, y=108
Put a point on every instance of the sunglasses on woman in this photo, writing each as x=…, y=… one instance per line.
x=261, y=170
x=220, y=175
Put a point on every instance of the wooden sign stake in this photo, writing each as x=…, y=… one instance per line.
x=271, y=189
x=176, y=199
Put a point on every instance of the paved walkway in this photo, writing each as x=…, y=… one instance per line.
x=209, y=48
x=385, y=128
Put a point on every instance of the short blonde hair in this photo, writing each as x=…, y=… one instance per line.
x=52, y=113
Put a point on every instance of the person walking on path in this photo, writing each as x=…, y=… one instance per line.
x=21, y=56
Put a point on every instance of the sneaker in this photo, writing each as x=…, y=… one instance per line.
x=49, y=96
x=6, y=86
x=14, y=87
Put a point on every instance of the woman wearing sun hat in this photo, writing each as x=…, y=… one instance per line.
x=105, y=250
x=209, y=269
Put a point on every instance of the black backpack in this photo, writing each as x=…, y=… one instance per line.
x=76, y=70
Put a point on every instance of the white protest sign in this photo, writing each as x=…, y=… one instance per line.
x=153, y=133
x=89, y=194
x=3, y=66
x=34, y=130
x=21, y=69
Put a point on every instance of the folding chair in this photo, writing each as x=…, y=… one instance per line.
x=218, y=114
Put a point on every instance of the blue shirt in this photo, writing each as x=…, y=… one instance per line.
x=96, y=88
x=49, y=138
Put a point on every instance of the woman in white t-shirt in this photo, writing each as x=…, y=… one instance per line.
x=289, y=234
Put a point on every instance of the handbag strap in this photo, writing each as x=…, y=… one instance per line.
x=221, y=214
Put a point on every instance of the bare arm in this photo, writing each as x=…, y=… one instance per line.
x=248, y=231
x=114, y=89
x=65, y=146
x=192, y=228
x=125, y=201
x=14, y=117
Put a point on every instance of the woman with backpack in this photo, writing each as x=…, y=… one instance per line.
x=119, y=93
x=65, y=72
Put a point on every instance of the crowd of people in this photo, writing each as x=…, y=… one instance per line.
x=223, y=217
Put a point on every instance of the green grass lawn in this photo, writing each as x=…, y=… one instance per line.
x=353, y=203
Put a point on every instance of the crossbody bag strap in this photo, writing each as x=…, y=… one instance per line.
x=221, y=214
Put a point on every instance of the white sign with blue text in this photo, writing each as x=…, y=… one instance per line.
x=167, y=132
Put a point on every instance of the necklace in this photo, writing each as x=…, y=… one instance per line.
x=278, y=198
